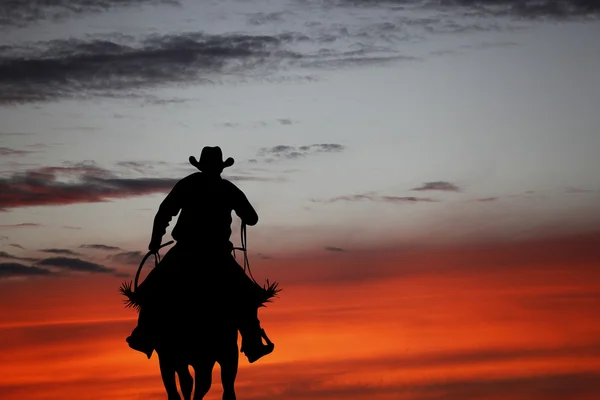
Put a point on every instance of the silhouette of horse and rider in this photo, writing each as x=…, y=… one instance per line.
x=196, y=299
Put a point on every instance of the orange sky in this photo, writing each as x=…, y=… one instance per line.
x=494, y=321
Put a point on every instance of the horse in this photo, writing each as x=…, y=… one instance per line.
x=179, y=300
x=182, y=345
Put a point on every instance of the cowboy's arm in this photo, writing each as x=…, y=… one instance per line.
x=243, y=208
x=169, y=208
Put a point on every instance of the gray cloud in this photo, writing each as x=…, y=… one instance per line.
x=18, y=246
x=128, y=257
x=100, y=247
x=86, y=183
x=9, y=256
x=5, y=151
x=21, y=225
x=487, y=199
x=8, y=270
x=439, y=185
x=74, y=264
x=80, y=68
x=279, y=152
x=61, y=251
x=527, y=8
x=374, y=197
x=24, y=12
x=332, y=248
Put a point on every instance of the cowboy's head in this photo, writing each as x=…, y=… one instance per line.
x=211, y=161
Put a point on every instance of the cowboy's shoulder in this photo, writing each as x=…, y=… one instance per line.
x=190, y=180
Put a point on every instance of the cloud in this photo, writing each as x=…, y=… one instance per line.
x=141, y=166
x=24, y=12
x=61, y=251
x=331, y=248
x=282, y=151
x=5, y=151
x=78, y=183
x=3, y=237
x=439, y=185
x=21, y=225
x=8, y=270
x=128, y=257
x=487, y=199
x=8, y=256
x=76, y=68
x=71, y=227
x=99, y=247
x=74, y=264
x=17, y=246
x=531, y=8
x=374, y=197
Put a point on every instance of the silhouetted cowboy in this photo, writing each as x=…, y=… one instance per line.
x=202, y=232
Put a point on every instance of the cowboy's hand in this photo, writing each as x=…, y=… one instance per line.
x=154, y=246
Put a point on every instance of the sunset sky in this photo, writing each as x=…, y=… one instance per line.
x=426, y=174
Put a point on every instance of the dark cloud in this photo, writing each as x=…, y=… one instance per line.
x=8, y=256
x=24, y=12
x=22, y=225
x=79, y=68
x=331, y=248
x=8, y=270
x=77, y=183
x=74, y=264
x=3, y=237
x=527, y=8
x=18, y=246
x=374, y=197
x=439, y=185
x=61, y=251
x=486, y=199
x=282, y=151
x=100, y=247
x=5, y=151
x=128, y=257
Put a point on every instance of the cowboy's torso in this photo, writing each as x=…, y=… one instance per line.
x=205, y=217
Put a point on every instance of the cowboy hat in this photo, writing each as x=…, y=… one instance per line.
x=211, y=158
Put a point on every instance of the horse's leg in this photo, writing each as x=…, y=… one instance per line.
x=167, y=372
x=228, y=361
x=186, y=382
x=203, y=370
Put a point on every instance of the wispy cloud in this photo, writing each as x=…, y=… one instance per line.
x=100, y=247
x=10, y=269
x=280, y=152
x=375, y=197
x=21, y=225
x=18, y=246
x=24, y=12
x=487, y=199
x=80, y=68
x=438, y=185
x=61, y=251
x=74, y=264
x=77, y=183
x=332, y=248
x=9, y=256
x=5, y=151
x=128, y=257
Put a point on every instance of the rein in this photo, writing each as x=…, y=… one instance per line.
x=243, y=239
